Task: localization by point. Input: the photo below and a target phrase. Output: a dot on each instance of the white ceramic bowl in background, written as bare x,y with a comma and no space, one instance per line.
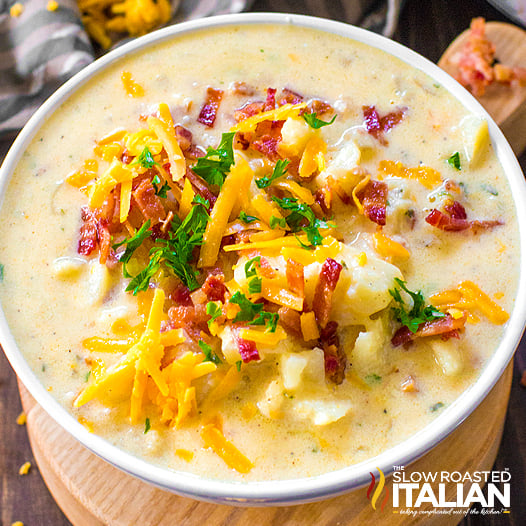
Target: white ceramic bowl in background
348,478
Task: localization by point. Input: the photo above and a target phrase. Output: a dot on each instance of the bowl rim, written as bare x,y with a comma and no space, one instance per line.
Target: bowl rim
298,490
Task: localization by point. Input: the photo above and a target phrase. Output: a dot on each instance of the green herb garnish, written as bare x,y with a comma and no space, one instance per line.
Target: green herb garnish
1,272
279,171
314,122
217,162
302,217
435,407
213,310
210,356
132,244
147,425
419,312
488,188
373,378
254,285
277,222
145,159
246,218
254,313
163,190
250,266
454,161
238,364
176,252
87,375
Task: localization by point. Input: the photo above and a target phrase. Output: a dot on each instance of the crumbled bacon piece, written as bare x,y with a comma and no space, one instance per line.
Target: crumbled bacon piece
248,110
319,107
149,202
374,201
290,321
268,137
181,296
88,232
327,281
456,219
334,355
376,125
323,197
295,277
208,113
200,187
184,137
287,96
439,326
247,349
104,236
214,287
242,88
270,103
477,226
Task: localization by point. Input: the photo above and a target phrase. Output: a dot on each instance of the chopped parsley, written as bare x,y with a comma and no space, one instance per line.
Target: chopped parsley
373,378
87,375
132,244
314,122
250,266
279,171
238,364
147,425
163,190
210,356
277,222
419,311
254,285
254,313
435,407
217,162
302,217
454,161
176,252
145,159
490,189
213,310
1,272
246,218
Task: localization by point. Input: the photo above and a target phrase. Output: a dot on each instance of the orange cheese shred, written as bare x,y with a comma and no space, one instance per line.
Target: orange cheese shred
214,439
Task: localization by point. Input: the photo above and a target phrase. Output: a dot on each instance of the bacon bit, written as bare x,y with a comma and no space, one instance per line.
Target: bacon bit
267,138
149,202
373,198
288,96
290,320
409,385
248,110
184,137
242,88
208,113
377,126
335,357
440,326
327,281
319,107
247,349
181,316
475,62
181,296
214,287
88,240
104,236
323,197
270,103
455,219
295,277
200,187
265,269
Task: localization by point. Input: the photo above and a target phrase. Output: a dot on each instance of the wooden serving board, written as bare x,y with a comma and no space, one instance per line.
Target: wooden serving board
506,104
93,493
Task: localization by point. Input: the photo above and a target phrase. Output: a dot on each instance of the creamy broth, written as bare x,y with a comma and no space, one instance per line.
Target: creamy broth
54,298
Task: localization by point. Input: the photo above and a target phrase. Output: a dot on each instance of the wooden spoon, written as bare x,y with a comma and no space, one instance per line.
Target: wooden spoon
506,104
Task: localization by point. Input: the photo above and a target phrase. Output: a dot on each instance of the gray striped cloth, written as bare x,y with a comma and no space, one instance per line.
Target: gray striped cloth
41,49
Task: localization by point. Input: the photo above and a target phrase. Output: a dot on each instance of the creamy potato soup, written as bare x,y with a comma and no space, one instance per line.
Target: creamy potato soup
258,252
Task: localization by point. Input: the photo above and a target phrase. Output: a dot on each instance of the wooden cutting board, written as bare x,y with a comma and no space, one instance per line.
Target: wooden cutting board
93,493
506,104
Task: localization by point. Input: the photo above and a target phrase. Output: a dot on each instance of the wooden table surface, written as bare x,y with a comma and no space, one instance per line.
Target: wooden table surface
427,26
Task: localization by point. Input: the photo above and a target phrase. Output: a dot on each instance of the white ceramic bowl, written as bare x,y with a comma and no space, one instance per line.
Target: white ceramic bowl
348,478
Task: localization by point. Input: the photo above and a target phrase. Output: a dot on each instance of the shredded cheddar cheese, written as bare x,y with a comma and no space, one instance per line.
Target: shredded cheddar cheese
21,419
16,10
214,439
429,177
24,468
279,114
